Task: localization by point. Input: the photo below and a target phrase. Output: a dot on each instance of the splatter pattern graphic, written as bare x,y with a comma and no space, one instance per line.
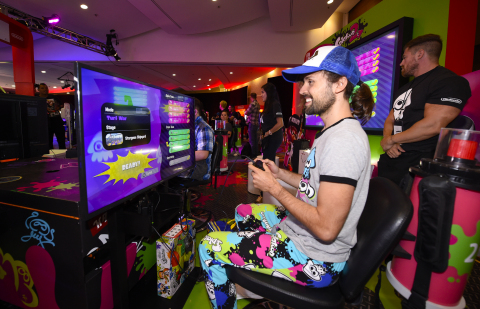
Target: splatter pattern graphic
260,247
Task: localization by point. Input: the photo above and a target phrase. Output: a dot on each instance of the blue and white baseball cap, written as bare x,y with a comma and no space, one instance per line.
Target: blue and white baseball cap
335,59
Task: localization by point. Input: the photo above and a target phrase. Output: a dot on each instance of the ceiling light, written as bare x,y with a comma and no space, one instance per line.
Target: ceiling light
13,86
199,79
174,74
194,86
54,86
84,6
329,1
44,71
208,85
68,92
210,80
231,72
62,81
209,89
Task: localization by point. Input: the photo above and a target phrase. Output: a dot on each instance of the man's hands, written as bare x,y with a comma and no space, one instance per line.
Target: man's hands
266,180
392,149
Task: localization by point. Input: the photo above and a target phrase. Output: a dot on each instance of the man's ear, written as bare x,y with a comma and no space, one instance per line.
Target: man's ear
340,85
419,54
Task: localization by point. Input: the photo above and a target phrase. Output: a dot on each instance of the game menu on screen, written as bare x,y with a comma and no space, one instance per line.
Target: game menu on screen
134,136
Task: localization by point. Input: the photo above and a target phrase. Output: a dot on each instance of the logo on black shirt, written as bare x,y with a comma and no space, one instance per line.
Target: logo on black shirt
453,100
401,103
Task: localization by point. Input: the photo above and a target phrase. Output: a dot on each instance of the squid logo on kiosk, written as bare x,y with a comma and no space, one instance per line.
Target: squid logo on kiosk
39,230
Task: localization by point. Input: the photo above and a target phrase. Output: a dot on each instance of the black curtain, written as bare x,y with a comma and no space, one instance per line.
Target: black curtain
285,93
211,101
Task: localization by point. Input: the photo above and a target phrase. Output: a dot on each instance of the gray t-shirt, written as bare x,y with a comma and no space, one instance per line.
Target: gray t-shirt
340,154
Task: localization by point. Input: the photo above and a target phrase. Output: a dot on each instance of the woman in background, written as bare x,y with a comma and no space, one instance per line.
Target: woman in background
271,121
272,124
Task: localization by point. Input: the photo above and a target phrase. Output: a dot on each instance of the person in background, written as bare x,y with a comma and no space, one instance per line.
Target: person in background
55,121
294,131
223,106
228,128
272,122
433,99
253,112
204,139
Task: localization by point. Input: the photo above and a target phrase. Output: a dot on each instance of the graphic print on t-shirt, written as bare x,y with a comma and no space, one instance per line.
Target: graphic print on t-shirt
305,189
402,101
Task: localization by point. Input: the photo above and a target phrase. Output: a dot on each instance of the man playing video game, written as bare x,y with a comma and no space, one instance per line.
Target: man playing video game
310,242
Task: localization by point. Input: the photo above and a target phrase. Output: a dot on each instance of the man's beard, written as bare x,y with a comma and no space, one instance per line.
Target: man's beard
321,105
410,71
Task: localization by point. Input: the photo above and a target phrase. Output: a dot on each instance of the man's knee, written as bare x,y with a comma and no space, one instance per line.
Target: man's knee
213,242
243,210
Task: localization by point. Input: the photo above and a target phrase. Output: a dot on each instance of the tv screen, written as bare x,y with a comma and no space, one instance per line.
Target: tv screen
133,135
378,57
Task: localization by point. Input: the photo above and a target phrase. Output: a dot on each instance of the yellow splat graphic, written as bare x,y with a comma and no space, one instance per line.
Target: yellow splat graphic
127,167
63,187
21,276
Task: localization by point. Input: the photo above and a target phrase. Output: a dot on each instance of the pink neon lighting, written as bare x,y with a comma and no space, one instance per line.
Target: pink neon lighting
54,21
370,53
369,71
368,59
368,65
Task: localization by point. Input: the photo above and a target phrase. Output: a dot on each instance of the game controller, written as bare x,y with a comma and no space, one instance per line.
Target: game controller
259,164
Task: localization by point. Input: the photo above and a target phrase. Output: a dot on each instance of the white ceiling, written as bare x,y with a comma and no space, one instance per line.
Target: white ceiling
131,18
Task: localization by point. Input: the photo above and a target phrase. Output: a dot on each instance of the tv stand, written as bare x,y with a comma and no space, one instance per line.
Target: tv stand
124,221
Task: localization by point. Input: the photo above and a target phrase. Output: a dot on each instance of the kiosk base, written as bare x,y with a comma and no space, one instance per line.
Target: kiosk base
406,292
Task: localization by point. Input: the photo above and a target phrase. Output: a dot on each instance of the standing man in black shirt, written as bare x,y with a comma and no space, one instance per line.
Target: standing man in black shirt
433,99
55,121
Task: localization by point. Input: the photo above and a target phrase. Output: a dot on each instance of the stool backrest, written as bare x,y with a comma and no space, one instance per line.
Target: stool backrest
384,220
462,122
216,156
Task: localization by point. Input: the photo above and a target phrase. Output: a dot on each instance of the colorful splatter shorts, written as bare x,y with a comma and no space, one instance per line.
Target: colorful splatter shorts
258,247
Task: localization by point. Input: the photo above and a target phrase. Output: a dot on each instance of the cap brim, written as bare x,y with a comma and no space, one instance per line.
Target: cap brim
292,75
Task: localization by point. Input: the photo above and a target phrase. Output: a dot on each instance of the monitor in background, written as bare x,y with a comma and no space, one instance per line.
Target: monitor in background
132,136
378,57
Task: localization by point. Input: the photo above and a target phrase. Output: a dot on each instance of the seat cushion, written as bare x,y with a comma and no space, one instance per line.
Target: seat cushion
286,292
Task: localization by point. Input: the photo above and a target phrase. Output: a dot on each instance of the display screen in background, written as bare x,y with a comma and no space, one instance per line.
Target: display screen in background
376,61
134,136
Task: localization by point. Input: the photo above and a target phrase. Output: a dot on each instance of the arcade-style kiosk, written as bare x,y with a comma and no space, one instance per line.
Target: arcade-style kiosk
80,233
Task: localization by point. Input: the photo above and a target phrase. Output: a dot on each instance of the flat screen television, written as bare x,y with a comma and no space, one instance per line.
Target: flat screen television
378,57
131,136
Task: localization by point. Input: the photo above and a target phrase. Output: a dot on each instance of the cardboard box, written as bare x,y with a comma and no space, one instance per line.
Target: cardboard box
175,257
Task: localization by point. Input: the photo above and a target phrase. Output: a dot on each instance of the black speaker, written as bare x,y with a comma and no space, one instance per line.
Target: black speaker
23,127
299,144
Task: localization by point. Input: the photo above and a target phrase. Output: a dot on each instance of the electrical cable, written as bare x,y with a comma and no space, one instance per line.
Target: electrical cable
155,209
241,156
54,155
122,66
226,178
